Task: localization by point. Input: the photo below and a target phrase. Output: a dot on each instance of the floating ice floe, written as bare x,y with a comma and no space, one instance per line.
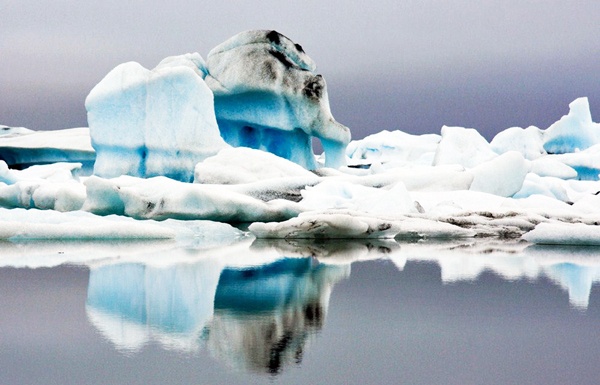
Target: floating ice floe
161,198
21,147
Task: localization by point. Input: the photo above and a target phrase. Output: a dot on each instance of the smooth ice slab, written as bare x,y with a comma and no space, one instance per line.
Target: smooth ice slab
564,234
21,147
19,225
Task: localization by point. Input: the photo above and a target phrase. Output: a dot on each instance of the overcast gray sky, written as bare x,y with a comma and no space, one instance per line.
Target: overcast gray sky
409,65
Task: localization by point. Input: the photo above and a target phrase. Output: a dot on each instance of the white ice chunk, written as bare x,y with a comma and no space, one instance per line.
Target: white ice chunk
564,234
546,206
393,146
453,202
503,175
586,162
53,186
528,141
160,198
332,194
427,178
464,146
246,165
547,186
588,204
550,166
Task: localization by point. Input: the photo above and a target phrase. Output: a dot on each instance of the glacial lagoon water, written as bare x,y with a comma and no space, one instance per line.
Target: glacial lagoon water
344,312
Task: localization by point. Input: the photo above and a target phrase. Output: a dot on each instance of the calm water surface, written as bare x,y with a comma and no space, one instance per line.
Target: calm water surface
276,312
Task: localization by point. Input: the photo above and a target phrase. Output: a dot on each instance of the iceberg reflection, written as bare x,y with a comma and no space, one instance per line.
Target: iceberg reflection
256,307
255,318
264,316
133,303
576,269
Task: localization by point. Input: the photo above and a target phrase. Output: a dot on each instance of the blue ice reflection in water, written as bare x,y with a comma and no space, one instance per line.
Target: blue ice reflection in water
299,312
259,318
254,318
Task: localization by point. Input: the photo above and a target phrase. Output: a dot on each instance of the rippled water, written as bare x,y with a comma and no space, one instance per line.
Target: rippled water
281,312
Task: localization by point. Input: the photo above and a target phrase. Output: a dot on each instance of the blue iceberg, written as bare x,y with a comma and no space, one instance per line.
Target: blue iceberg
158,122
269,97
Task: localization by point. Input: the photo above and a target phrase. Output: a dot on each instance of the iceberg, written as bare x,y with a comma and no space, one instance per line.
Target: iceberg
208,302
158,122
133,303
574,131
463,146
269,97
502,176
